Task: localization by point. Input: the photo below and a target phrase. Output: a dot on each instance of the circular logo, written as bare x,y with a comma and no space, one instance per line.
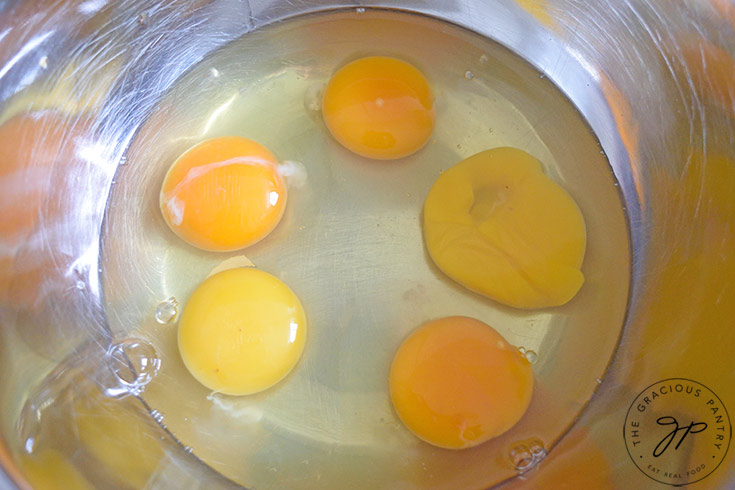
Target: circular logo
677,431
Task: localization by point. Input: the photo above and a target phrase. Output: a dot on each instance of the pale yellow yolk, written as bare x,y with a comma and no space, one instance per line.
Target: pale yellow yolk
456,383
379,107
241,331
499,226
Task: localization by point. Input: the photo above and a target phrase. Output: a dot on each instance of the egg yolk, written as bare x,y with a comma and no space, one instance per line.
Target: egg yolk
497,225
456,383
379,107
223,194
241,331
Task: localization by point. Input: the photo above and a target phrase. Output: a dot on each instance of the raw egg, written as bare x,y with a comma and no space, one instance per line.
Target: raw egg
223,194
456,383
379,107
499,226
241,331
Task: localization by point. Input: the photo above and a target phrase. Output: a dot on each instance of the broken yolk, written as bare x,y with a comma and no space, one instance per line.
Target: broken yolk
241,331
379,107
223,194
456,383
497,225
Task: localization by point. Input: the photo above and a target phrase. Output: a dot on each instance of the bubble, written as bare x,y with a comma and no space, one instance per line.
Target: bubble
469,75
157,416
134,363
143,19
527,454
123,161
538,451
542,76
521,458
530,355
43,62
166,311
360,10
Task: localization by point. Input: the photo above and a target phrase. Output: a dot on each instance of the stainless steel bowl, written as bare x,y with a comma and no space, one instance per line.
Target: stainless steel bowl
654,81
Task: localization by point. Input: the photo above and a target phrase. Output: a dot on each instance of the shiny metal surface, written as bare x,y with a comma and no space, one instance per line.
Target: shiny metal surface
656,82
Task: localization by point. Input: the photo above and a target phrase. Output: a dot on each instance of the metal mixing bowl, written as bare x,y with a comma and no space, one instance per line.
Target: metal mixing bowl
654,80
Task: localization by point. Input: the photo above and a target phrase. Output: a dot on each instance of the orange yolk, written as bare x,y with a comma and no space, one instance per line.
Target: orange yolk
223,194
379,107
456,383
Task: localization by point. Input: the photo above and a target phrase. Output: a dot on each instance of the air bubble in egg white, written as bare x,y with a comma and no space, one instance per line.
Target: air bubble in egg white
166,311
521,458
157,416
538,451
134,362
527,455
